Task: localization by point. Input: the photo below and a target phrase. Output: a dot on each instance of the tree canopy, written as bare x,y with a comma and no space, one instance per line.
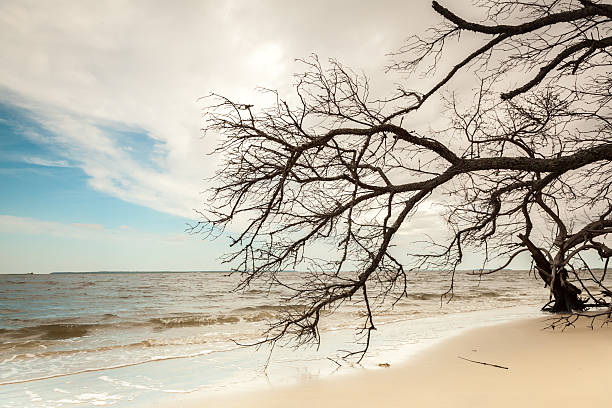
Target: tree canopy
523,163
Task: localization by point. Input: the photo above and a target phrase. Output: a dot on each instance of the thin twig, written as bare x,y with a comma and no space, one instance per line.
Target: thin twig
480,362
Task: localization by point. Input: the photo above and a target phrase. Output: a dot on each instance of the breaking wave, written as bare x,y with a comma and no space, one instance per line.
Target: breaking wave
149,343
58,331
192,321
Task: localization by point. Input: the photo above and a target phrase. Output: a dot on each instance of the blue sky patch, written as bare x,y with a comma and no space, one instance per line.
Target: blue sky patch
138,144
38,183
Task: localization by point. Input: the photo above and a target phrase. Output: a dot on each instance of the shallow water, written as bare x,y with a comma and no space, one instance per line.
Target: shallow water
118,339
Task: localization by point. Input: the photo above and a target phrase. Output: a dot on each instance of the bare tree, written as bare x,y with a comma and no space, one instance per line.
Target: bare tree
342,169
573,205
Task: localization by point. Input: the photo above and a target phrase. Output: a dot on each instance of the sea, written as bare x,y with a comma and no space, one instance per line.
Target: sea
127,339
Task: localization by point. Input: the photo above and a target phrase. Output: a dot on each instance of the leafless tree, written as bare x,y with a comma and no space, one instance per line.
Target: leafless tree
341,169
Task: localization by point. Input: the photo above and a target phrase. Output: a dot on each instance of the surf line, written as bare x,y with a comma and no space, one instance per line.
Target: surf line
93,370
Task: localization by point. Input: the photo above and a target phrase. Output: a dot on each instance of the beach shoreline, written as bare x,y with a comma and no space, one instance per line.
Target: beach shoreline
529,366
109,346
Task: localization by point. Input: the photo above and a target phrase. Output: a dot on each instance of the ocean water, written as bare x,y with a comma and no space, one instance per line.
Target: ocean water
123,339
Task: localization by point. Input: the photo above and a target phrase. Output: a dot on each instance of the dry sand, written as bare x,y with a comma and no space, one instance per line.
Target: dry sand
545,367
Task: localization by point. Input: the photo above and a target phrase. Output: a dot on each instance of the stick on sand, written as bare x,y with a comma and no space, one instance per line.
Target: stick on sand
480,362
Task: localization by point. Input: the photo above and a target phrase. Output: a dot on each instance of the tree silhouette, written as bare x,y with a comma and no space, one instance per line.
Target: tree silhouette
523,165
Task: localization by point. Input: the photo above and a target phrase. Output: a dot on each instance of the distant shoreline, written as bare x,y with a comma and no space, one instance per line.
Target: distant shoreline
125,272
206,271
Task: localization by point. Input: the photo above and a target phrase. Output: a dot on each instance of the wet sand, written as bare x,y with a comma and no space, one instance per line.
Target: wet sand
544,367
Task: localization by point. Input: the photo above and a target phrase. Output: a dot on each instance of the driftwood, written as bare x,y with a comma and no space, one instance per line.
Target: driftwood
480,362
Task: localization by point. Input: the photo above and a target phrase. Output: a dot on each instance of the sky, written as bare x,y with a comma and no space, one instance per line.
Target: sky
103,163
102,160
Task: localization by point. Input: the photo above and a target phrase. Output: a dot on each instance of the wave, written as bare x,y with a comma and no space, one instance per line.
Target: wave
192,321
58,331
246,314
487,294
270,308
474,294
7,311
424,296
32,282
85,285
267,292
69,328
149,343
97,369
49,331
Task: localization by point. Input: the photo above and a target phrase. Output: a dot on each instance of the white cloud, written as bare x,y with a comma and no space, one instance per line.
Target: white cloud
45,162
83,67
92,232
96,227
32,245
29,226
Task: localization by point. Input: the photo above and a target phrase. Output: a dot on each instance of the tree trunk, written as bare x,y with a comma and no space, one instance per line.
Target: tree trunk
566,295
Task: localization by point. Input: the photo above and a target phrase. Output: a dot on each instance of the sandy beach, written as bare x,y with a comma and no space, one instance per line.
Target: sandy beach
544,367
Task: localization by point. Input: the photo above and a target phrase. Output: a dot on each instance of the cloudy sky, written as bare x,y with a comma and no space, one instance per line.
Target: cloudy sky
102,161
